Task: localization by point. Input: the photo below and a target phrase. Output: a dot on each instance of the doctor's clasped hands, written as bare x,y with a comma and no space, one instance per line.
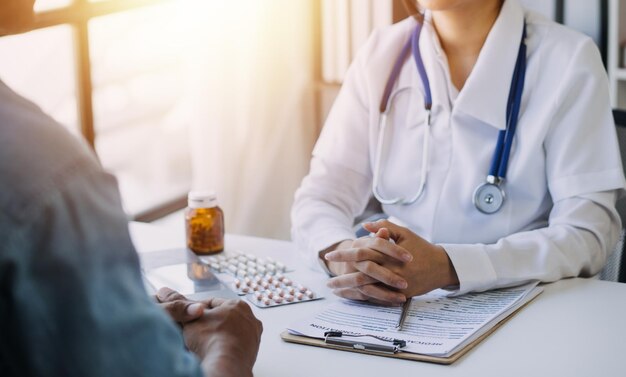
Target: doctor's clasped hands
390,267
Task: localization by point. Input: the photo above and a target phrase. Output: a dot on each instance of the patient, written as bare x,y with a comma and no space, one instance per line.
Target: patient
72,301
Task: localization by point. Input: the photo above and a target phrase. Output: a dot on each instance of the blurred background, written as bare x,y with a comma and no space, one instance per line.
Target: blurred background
228,95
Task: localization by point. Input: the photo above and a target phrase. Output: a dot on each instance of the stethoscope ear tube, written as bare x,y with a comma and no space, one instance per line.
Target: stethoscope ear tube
411,45
382,146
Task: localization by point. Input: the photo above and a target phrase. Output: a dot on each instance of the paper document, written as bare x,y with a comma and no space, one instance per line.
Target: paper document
436,324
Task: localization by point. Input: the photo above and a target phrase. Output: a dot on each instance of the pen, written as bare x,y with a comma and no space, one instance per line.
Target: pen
405,310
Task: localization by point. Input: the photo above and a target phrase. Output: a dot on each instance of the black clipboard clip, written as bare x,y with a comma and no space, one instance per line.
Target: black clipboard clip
335,338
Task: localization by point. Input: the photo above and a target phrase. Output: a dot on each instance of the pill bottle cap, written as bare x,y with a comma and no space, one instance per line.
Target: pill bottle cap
202,199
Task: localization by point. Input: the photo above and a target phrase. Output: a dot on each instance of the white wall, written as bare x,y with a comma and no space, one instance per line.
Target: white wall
582,15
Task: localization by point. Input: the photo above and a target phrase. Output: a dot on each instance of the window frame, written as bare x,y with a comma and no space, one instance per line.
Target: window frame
77,14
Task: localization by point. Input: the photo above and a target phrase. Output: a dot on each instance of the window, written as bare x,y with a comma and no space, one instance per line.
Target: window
111,71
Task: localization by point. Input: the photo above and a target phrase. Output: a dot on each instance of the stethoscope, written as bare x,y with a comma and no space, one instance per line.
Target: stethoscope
488,196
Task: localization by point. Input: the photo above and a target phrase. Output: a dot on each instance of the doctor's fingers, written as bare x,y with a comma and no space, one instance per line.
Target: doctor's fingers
378,292
368,272
396,232
355,294
362,248
351,280
382,274
355,255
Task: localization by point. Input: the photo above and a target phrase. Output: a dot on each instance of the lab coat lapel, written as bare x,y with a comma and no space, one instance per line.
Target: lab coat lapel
486,90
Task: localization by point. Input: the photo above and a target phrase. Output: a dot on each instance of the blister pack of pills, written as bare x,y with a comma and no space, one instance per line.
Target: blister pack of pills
261,280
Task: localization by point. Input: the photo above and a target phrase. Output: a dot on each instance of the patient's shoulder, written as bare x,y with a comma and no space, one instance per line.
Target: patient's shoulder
35,151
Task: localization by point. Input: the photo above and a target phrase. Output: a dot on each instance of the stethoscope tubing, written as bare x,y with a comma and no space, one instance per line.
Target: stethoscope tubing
500,161
499,164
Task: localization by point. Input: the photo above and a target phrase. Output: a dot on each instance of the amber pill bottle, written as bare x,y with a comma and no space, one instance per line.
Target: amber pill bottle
204,222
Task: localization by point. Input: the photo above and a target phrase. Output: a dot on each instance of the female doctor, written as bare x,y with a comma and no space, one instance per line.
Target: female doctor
485,131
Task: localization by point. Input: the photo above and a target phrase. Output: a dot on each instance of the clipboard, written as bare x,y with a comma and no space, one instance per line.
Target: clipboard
447,360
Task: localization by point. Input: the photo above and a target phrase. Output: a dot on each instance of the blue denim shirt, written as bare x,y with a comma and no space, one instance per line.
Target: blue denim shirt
72,302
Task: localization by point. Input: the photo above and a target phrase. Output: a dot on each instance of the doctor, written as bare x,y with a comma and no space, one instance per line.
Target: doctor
485,130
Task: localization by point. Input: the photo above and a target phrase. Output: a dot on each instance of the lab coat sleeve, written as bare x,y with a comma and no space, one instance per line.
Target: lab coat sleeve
585,178
337,187
327,202
581,234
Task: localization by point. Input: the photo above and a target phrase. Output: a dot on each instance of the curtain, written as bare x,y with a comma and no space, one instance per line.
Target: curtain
253,122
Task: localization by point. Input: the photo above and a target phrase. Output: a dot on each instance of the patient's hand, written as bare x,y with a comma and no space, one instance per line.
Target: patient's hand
226,334
180,308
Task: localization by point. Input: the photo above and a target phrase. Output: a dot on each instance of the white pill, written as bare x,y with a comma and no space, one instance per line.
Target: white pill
251,270
300,296
276,283
309,294
265,284
280,266
258,279
245,289
302,288
251,263
242,258
241,273
270,294
251,256
289,298
267,301
280,292
237,283
216,267
291,290
241,266
232,269
258,296
278,299
261,269
287,282
280,277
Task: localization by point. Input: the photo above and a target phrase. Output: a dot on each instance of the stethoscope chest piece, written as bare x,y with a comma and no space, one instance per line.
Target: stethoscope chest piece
489,197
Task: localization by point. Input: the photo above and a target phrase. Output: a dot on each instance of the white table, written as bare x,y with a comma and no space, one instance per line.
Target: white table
577,327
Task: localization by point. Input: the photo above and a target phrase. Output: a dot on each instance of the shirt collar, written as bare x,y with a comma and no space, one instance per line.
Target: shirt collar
486,90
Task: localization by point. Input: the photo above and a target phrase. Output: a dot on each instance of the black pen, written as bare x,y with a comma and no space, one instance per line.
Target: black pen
405,310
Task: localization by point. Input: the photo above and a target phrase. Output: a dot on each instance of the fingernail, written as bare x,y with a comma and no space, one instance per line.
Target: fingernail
195,309
329,256
407,257
402,284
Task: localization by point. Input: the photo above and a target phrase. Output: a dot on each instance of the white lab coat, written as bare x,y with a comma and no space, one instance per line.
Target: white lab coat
564,172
